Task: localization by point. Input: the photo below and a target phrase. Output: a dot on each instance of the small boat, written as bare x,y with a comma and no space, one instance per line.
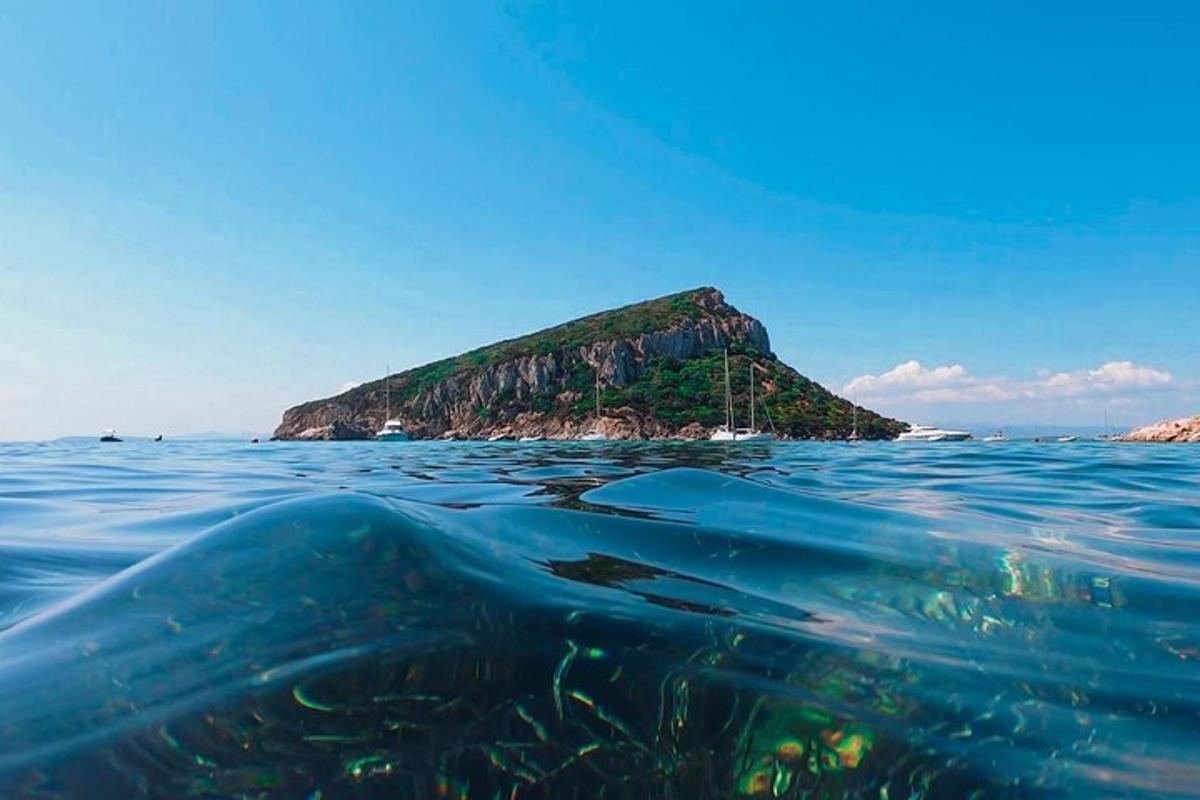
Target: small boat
158,438
393,429
527,439
254,440
998,436
853,437
929,433
1068,438
729,432
110,435
500,437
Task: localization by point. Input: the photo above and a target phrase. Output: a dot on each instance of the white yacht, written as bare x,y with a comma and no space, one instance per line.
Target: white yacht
393,429
998,436
110,435
729,432
1068,438
930,433
527,439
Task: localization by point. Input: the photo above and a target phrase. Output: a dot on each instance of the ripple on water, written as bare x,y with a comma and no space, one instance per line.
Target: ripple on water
788,620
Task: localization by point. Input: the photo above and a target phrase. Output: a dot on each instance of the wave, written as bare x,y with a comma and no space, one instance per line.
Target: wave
630,627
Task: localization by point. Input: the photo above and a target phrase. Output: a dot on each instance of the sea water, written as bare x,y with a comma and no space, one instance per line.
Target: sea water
613,620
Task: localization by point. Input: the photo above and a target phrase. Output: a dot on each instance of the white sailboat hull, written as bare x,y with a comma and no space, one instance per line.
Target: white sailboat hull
740,435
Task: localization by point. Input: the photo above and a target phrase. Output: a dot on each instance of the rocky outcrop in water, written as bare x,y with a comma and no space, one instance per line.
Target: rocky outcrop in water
1185,429
657,361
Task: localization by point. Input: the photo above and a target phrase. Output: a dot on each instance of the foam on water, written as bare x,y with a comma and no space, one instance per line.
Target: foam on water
550,620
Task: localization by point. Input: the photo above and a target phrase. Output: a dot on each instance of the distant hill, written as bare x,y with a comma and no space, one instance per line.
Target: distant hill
661,371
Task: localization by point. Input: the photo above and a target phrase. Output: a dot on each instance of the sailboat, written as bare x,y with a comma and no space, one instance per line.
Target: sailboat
393,429
595,434
729,433
854,437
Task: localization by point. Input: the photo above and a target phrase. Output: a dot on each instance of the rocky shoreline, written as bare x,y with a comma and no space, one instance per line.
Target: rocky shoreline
622,424
1184,429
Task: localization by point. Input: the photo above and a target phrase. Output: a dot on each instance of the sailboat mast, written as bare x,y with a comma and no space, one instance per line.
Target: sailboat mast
387,393
752,396
597,393
728,395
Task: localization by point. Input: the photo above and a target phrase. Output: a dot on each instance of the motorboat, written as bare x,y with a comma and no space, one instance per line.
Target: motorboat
110,435
393,429
500,437
1068,439
998,436
931,433
729,432
527,439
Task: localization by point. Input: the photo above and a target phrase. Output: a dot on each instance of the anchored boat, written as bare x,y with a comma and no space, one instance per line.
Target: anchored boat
728,432
393,429
931,433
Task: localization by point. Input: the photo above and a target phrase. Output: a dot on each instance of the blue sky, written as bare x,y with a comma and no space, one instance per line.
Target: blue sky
212,211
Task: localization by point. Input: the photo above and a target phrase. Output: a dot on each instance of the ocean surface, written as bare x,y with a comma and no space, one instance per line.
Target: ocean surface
599,620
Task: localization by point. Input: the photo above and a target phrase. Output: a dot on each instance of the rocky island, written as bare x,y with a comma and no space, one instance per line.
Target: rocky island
661,372
1186,429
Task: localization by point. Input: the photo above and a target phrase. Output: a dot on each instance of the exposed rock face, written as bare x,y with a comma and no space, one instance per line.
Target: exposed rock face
1186,429
536,385
334,430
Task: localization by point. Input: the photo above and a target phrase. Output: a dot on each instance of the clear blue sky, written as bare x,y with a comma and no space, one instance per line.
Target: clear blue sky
211,211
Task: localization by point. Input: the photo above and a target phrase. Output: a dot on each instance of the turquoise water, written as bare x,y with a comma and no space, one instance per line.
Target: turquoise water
599,620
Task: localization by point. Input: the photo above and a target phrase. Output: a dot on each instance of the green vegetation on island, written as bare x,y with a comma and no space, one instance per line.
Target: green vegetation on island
661,368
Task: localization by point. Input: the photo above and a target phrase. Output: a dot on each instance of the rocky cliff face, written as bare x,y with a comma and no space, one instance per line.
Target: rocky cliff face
541,385
1186,429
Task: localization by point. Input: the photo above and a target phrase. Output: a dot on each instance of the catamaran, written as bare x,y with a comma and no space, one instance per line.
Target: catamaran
729,433
393,429
595,434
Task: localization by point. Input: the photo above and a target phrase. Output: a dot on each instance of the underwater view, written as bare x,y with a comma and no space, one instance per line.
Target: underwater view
599,620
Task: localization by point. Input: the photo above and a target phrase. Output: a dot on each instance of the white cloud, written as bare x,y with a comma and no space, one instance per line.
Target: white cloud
1112,376
953,383
905,375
